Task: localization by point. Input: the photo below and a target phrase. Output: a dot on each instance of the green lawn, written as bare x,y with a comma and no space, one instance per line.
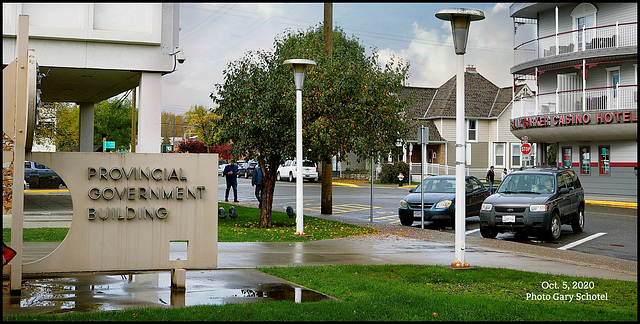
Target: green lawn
403,293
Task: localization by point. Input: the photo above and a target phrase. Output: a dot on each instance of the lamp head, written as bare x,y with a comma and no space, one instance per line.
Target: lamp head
299,66
460,20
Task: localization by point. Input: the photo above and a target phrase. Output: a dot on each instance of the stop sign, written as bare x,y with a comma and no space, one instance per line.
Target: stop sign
525,148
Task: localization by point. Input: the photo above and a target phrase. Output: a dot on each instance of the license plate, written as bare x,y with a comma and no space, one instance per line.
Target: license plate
509,218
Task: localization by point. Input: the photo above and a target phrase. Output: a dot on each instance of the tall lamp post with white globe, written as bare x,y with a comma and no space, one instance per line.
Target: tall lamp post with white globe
460,21
299,67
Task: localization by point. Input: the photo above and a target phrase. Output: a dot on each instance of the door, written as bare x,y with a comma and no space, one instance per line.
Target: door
568,98
564,199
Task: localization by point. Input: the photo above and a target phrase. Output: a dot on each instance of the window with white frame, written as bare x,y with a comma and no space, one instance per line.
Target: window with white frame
584,17
472,130
498,154
515,155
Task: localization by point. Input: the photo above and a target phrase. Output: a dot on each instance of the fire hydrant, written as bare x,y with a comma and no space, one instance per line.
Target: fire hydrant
400,178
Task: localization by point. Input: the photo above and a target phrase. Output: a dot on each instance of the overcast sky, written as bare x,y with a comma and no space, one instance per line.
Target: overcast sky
215,34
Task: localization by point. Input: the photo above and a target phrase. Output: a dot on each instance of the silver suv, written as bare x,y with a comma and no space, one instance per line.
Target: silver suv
535,201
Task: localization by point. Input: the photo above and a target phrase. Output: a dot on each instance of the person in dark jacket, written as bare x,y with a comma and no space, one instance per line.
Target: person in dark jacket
490,178
256,180
231,174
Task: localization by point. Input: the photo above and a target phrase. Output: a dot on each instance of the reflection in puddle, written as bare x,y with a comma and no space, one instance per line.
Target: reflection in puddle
117,292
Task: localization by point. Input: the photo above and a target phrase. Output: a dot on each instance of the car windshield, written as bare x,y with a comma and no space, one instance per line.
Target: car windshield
438,185
528,183
308,164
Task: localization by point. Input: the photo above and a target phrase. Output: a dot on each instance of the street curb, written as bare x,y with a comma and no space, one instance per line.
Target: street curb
612,204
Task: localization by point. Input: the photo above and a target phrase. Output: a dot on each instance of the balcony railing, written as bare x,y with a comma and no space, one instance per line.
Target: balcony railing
586,39
561,102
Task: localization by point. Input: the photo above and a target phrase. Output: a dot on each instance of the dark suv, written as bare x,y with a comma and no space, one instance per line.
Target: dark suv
535,201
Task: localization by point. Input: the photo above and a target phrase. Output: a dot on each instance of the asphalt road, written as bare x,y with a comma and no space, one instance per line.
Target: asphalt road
609,231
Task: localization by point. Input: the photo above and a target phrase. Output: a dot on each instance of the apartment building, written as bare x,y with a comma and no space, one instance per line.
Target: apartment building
582,57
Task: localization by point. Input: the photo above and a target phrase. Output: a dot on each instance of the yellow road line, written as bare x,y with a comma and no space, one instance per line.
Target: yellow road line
612,203
346,184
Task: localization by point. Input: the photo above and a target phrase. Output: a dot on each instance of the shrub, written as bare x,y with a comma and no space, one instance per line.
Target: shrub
390,172
192,146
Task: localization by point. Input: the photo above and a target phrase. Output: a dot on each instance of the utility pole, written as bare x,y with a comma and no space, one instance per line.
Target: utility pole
326,205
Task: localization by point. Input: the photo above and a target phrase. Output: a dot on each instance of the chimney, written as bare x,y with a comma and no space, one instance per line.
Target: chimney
471,69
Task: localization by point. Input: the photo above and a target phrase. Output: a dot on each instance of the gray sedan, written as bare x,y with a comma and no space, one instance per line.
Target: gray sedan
439,200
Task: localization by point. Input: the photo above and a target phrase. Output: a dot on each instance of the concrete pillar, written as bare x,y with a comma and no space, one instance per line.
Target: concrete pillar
86,126
149,113
178,279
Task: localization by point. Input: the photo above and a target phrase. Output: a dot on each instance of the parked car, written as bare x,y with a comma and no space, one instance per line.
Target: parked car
288,171
535,201
246,170
439,200
37,169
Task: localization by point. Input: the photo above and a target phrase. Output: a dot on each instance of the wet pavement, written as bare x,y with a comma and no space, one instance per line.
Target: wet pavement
90,292
237,281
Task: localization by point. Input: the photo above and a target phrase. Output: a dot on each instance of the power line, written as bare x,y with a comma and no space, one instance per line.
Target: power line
357,32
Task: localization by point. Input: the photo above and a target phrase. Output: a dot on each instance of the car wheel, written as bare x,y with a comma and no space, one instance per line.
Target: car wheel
290,177
555,227
578,224
487,232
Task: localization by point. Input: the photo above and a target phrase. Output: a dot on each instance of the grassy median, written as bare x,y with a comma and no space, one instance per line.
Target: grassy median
390,292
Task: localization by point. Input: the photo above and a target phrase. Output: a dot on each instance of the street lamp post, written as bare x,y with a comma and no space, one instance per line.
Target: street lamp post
460,21
299,66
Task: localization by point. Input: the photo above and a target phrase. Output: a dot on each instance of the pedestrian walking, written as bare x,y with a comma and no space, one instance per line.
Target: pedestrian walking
490,178
256,180
231,175
504,174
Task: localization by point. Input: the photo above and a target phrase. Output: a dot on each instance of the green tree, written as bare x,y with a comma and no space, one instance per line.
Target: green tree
257,106
67,126
349,104
172,125
112,120
205,122
57,124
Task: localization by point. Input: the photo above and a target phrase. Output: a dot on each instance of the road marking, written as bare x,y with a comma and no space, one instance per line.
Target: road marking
45,190
339,209
391,217
617,215
578,242
346,184
471,231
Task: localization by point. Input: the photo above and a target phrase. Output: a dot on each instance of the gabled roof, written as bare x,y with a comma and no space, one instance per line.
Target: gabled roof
483,99
434,135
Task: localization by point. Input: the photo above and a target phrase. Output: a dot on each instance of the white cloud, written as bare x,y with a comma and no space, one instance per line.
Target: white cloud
433,60
212,35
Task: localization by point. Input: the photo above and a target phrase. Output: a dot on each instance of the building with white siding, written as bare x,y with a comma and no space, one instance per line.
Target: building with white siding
91,52
583,59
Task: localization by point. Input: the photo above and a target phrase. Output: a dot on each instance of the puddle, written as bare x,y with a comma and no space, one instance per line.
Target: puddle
86,293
